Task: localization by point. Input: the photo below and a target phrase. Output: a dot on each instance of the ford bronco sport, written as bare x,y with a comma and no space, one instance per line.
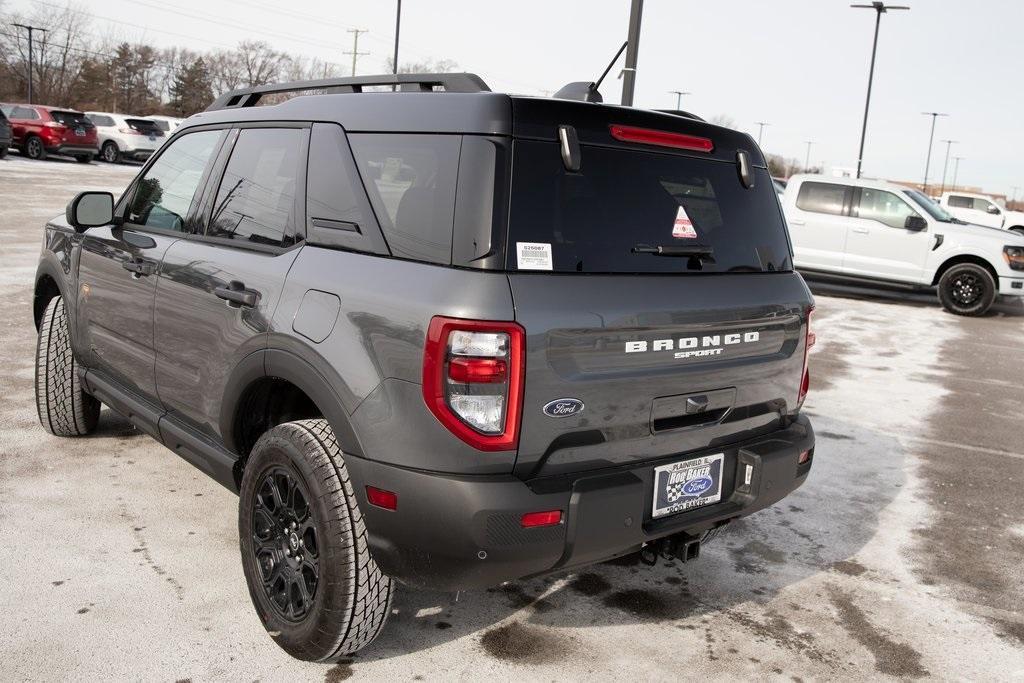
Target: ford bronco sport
440,336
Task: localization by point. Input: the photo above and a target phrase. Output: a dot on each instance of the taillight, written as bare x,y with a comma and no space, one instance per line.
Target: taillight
805,376
54,124
129,131
662,138
473,379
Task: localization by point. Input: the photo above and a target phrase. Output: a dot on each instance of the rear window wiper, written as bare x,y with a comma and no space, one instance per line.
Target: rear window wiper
701,251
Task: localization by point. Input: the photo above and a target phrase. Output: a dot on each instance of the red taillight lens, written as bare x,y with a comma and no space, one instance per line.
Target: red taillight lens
804,457
473,378
381,498
662,138
548,518
805,376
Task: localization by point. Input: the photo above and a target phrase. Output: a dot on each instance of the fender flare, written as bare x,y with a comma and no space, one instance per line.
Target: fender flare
288,366
48,268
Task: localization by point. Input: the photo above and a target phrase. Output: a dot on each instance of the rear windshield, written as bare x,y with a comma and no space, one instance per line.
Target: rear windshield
144,126
71,119
622,200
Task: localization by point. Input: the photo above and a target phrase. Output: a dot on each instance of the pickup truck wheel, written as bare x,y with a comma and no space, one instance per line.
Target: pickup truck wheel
63,406
34,148
967,289
304,552
111,154
1017,228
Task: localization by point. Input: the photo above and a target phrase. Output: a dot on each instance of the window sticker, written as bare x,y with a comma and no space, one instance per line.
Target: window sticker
533,255
683,227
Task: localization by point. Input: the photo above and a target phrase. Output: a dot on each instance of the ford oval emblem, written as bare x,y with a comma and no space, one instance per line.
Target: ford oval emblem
563,407
697,485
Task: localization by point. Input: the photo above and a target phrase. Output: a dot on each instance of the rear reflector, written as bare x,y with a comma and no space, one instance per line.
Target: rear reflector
661,138
804,457
533,519
805,375
381,498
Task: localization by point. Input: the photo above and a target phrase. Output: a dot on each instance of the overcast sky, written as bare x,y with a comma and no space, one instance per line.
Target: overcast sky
800,65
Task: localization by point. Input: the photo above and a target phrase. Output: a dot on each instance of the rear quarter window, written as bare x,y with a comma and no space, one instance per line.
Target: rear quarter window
592,220
411,182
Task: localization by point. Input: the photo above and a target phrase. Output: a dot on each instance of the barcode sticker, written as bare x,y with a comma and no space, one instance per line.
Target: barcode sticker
533,256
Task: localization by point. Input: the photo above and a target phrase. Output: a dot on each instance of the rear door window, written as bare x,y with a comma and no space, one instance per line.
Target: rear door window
411,183
256,199
823,198
958,202
592,221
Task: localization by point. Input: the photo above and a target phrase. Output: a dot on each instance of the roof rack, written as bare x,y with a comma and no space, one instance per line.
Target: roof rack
452,82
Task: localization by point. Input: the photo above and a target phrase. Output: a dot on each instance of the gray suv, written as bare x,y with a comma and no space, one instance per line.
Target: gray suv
440,336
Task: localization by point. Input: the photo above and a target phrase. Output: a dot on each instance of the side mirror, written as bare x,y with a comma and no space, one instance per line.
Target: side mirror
993,209
90,210
915,223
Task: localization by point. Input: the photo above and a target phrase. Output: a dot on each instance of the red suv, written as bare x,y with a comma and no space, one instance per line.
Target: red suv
39,130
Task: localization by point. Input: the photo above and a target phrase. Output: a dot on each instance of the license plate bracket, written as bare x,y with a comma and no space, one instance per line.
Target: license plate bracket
687,484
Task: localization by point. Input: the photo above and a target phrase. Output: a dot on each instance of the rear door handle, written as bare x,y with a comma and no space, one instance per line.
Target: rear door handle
139,267
792,222
236,294
862,231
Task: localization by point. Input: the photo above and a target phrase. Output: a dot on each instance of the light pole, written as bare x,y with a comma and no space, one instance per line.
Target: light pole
1014,197
679,97
945,165
636,10
398,26
956,169
807,161
931,138
880,9
760,130
30,30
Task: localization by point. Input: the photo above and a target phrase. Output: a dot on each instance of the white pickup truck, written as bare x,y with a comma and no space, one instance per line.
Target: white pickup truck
982,210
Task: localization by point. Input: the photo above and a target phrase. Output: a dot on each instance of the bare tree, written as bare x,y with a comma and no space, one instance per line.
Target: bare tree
226,71
723,120
427,66
261,64
57,56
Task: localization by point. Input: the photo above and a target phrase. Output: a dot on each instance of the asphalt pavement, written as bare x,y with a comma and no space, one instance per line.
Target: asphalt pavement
902,557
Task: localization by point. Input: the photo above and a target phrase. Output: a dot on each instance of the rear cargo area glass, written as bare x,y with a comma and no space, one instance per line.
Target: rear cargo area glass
623,198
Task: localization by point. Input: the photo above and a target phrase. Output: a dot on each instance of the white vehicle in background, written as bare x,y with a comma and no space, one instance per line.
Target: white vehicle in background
981,209
125,137
166,123
876,232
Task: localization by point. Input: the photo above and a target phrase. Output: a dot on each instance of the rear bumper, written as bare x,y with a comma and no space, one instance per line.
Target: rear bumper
462,532
1011,286
72,150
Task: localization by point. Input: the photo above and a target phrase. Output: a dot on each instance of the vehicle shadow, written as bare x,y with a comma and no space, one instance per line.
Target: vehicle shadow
1003,306
819,528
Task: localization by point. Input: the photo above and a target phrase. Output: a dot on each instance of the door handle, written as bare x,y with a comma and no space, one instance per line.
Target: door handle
139,267
862,231
237,295
792,222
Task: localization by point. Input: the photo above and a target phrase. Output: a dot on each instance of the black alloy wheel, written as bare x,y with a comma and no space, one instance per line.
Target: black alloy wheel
966,288
285,544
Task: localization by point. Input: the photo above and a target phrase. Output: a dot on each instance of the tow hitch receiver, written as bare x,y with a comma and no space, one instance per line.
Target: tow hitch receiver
682,547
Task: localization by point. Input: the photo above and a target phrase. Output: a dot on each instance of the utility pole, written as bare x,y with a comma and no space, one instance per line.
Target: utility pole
931,139
355,47
633,46
679,97
807,161
956,169
30,29
880,9
1014,197
945,165
760,131
398,27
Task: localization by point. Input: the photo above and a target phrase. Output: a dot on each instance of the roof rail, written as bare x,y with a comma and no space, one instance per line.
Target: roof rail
451,82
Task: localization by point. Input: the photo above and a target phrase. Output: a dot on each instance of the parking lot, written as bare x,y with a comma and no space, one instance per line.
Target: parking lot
901,557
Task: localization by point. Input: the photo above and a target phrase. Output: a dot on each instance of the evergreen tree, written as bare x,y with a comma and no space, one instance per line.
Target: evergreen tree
192,90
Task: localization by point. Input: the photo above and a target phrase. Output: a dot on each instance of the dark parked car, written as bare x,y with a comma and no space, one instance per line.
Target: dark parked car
40,130
443,336
5,134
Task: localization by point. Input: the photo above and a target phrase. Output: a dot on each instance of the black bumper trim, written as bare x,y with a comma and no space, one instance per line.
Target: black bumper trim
454,532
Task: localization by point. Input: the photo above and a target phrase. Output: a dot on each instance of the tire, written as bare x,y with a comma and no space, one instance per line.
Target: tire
967,289
1017,228
110,153
317,605
63,406
83,158
3,151
34,148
